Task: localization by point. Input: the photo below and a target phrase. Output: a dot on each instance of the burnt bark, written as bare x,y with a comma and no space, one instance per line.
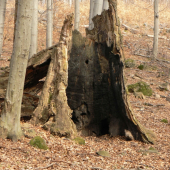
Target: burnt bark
96,90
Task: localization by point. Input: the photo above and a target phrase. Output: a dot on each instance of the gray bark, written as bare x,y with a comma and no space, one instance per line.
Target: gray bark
105,4
2,18
70,2
77,14
91,25
15,17
34,30
156,29
97,10
49,31
10,118
43,2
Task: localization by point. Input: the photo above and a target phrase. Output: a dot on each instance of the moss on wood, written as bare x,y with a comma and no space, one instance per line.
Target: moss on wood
103,153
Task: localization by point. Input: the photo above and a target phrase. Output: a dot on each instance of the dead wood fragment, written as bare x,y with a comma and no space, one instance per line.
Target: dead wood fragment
48,166
55,163
53,99
132,30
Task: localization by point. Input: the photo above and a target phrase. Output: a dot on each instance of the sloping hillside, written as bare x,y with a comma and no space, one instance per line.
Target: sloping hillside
151,111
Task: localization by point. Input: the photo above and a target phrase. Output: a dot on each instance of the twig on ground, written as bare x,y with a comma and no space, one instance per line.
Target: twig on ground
147,165
160,37
150,57
96,168
47,166
132,30
142,55
55,163
163,61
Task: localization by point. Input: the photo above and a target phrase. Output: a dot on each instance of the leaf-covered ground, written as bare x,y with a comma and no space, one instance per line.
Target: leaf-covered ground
64,153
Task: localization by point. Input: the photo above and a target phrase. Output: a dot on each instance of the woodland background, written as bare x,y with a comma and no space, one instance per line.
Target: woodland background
137,29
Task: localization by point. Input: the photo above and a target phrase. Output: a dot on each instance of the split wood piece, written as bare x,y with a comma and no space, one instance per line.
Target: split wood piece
53,99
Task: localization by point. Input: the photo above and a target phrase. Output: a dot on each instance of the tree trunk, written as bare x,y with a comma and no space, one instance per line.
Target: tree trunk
15,18
156,29
91,25
77,15
97,10
49,31
43,2
96,92
10,118
2,18
70,2
34,30
105,4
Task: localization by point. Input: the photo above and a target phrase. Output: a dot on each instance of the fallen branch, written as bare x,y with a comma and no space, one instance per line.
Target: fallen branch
55,163
132,30
146,165
47,166
96,168
160,37
142,55
150,57
163,61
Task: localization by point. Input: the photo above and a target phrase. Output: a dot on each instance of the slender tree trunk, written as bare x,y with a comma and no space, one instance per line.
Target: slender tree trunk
2,18
34,30
156,29
49,31
70,2
15,17
91,25
97,10
10,118
105,4
77,14
43,2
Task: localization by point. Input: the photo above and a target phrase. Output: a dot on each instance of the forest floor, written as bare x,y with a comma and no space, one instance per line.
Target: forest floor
64,153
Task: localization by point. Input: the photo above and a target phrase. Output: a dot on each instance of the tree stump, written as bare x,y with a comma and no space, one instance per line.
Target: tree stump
89,90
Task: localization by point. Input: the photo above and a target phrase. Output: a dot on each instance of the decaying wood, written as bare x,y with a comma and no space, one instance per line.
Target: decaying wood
53,99
30,98
132,30
101,66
